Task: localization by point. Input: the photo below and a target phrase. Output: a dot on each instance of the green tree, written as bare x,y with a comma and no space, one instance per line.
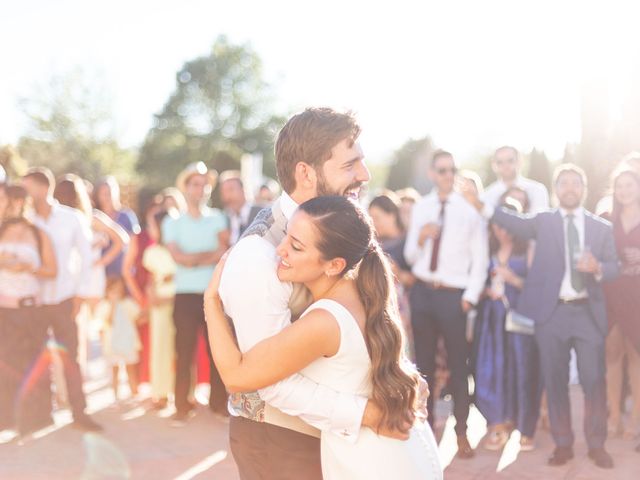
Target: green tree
221,103
408,165
70,127
539,167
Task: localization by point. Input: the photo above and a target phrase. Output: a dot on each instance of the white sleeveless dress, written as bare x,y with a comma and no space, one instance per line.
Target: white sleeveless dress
371,456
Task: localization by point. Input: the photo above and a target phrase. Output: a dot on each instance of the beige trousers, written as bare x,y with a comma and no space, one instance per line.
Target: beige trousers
162,365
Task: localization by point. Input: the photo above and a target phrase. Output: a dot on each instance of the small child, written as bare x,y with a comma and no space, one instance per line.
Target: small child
121,343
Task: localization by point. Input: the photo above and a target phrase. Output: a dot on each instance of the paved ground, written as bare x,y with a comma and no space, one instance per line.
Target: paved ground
140,444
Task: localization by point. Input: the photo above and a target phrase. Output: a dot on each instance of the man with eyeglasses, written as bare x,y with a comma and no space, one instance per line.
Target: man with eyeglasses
447,248
506,165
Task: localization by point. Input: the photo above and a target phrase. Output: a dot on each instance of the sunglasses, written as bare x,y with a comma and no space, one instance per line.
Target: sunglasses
503,162
445,170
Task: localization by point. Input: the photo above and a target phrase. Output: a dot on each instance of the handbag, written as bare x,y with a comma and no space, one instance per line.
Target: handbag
515,322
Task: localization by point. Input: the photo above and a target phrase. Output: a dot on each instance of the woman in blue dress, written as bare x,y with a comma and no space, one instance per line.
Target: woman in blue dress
508,383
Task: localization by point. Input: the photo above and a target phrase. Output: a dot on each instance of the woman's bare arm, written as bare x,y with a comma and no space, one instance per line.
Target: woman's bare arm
118,236
315,335
48,265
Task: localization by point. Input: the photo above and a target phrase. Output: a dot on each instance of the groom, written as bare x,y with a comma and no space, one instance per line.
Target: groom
274,433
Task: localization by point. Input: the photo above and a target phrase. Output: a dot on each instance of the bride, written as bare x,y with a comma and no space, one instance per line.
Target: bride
349,339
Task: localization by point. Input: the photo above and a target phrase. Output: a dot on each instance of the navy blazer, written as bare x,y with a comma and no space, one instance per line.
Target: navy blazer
541,289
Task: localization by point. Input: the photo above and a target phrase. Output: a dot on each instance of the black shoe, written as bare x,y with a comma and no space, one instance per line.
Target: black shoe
601,458
560,456
464,449
86,423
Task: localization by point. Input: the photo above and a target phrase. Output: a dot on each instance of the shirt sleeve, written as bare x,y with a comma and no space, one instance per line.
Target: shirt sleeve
411,248
169,232
479,261
82,242
251,269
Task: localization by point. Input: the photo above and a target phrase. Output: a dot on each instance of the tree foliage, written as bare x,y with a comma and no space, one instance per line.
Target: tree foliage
221,108
70,128
409,165
539,167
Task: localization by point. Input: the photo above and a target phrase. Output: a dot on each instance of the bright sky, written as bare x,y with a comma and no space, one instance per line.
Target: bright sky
471,74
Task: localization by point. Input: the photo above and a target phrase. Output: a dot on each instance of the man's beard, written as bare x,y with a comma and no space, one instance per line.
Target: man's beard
324,189
570,203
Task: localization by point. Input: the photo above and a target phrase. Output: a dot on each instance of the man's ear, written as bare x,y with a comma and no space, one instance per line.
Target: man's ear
306,176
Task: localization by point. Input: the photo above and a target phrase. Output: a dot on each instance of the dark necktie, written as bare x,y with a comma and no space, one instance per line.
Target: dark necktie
573,241
435,251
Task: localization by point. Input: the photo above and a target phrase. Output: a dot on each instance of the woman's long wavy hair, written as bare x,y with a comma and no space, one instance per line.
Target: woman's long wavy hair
346,231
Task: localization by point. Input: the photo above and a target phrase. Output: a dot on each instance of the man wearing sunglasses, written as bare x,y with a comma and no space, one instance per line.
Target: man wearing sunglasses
506,165
447,248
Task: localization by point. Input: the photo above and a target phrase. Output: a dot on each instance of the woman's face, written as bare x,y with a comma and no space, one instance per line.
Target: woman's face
300,260
15,208
105,199
383,222
4,202
626,190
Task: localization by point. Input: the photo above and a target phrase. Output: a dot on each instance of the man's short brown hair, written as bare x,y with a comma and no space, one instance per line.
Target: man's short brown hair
440,153
569,168
309,137
41,175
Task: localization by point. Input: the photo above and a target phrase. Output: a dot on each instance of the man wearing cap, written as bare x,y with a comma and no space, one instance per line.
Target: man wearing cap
196,239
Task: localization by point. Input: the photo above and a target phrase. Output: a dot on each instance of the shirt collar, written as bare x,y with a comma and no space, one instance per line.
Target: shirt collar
243,214
451,198
519,182
288,205
578,213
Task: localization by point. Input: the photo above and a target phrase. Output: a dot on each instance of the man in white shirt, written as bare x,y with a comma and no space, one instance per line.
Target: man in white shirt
506,165
70,235
316,154
447,248
234,199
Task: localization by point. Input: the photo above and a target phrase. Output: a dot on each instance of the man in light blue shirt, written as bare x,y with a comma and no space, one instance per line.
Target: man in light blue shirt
196,239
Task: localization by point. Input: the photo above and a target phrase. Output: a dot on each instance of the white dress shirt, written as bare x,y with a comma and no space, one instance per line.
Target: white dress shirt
567,292
464,248
536,192
258,303
70,234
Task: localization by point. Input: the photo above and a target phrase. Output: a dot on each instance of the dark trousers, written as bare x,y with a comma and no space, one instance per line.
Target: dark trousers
434,313
572,326
25,387
188,317
65,332
267,452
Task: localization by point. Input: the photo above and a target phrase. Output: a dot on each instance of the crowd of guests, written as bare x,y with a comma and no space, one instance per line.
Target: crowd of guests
475,269
71,254
478,268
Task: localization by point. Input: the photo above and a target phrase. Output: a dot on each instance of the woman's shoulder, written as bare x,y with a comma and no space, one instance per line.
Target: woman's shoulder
332,311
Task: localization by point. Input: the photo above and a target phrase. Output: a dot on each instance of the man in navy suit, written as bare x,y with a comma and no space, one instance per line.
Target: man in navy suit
562,294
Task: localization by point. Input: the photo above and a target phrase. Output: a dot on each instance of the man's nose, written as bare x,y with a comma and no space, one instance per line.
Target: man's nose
363,174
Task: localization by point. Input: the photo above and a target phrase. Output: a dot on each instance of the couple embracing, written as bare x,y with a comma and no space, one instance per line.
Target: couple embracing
311,298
